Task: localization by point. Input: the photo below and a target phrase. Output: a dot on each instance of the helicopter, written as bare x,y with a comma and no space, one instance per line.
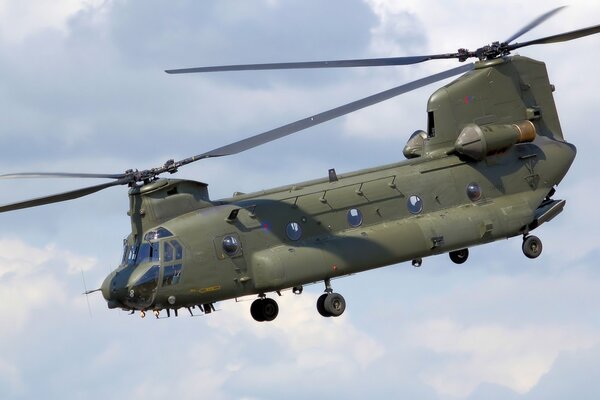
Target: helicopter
486,168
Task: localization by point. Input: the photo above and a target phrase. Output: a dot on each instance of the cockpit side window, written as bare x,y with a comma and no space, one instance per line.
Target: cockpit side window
178,249
125,253
172,253
172,274
148,252
168,252
132,254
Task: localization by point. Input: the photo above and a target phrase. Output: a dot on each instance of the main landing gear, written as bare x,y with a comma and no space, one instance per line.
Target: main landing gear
532,246
330,304
264,309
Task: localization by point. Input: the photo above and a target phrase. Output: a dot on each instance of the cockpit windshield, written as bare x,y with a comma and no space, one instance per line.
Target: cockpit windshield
148,250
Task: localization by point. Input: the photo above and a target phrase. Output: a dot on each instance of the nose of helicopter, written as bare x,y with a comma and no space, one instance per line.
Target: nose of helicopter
105,288
109,291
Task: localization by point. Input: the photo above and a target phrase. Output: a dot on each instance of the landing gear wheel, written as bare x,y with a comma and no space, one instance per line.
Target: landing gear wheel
270,309
334,304
331,304
459,256
532,246
417,262
256,310
264,310
321,305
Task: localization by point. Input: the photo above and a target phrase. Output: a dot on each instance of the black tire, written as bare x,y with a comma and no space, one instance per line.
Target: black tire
256,310
334,304
532,246
321,306
459,256
270,309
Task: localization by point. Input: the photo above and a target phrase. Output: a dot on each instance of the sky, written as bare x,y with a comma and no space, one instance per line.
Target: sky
82,89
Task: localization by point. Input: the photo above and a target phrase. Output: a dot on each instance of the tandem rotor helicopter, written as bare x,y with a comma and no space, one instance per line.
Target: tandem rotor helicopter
485,169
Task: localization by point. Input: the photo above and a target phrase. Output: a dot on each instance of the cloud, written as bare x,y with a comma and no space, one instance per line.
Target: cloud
18,20
512,357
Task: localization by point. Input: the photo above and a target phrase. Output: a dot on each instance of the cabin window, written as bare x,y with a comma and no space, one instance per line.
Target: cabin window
231,245
293,231
473,191
355,218
414,204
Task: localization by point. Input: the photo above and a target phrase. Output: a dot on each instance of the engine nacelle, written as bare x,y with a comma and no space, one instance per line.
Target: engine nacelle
477,142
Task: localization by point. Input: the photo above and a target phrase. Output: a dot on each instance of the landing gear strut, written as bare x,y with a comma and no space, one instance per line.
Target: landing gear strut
459,256
264,309
330,304
532,246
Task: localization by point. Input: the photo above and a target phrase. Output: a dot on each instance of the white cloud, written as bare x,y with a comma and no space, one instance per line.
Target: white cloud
515,357
32,280
20,19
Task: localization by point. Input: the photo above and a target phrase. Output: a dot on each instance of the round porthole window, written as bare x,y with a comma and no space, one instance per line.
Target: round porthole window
355,218
473,191
293,231
414,204
231,245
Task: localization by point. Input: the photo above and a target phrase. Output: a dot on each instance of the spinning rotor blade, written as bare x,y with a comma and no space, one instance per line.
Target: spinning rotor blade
534,23
55,198
277,133
494,50
60,175
561,37
365,62
131,176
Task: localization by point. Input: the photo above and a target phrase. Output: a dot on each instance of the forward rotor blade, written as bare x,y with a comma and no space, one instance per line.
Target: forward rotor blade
365,62
55,198
60,175
277,133
561,37
534,23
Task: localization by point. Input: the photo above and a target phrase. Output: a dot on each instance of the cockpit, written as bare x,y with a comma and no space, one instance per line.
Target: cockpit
155,261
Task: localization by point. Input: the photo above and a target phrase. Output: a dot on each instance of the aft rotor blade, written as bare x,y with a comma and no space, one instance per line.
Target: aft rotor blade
316,119
55,198
561,37
60,175
534,23
365,62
